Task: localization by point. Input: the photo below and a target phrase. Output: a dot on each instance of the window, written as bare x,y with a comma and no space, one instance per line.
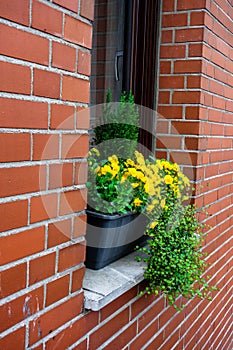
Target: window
124,54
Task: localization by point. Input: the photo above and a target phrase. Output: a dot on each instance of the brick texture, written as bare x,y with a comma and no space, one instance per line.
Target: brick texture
45,69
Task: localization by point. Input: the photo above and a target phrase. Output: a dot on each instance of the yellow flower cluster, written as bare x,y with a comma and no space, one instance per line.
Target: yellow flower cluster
150,181
112,168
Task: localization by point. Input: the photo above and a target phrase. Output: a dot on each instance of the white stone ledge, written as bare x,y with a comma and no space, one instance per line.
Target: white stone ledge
105,285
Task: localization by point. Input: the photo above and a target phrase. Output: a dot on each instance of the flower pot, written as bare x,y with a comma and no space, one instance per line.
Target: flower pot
110,237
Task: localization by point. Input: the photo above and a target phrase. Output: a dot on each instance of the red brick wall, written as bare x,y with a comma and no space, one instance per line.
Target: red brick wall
44,69
44,83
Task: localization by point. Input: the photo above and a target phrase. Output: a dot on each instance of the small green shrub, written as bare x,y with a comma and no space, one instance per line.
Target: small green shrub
119,127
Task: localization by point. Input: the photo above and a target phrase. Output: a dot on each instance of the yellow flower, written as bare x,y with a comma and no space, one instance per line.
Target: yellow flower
134,185
150,207
168,179
153,224
97,169
162,203
106,169
137,202
96,151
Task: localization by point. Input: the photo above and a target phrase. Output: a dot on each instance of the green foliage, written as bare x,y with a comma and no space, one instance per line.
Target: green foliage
175,262
119,126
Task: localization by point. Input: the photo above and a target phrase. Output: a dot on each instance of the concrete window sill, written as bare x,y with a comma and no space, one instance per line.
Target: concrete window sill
104,285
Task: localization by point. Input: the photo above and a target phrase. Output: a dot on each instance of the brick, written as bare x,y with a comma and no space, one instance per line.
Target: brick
171,82
23,114
145,336
168,142
84,62
46,83
43,207
174,51
22,45
197,18
74,332
194,82
185,128
41,268
191,34
184,158
171,112
81,346
72,201
168,6
62,117
59,232
13,214
80,223
78,32
82,118
162,126
60,175
81,170
217,88
123,338
64,57
166,36
156,343
75,89
171,342
87,9
151,314
118,303
54,318
15,78
14,147
22,244
14,340
20,308
191,66
141,304
15,11
45,146
175,20
108,329
70,5
21,180
164,97
190,4
186,97
71,256
75,146
46,18
57,289
13,279
165,67
77,279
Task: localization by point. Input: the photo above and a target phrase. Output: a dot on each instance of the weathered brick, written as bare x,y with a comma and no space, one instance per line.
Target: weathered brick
13,279
41,268
78,32
46,18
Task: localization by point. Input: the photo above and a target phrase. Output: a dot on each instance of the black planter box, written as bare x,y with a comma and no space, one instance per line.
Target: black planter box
110,237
